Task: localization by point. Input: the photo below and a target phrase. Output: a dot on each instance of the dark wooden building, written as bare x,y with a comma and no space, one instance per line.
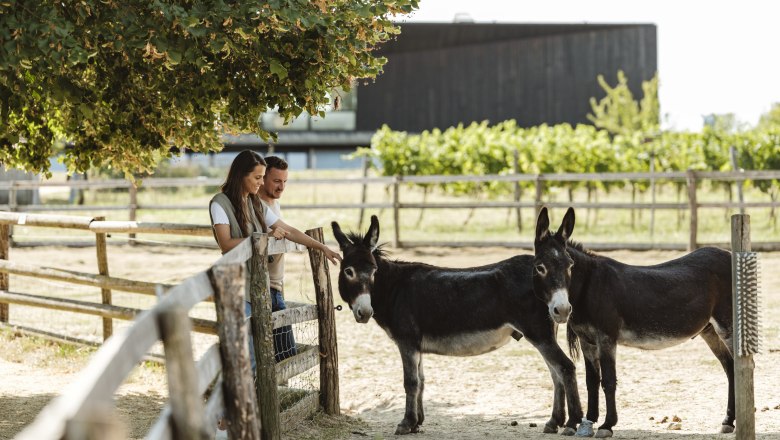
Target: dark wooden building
441,74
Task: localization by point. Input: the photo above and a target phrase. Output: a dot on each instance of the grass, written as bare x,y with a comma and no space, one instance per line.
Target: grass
42,353
326,427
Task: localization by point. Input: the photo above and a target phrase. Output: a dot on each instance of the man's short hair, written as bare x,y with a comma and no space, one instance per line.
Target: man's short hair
275,162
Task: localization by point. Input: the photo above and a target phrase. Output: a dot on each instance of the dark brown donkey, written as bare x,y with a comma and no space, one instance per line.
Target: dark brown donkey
455,312
607,303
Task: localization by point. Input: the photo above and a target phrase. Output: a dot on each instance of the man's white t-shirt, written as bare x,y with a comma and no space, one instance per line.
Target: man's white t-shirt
219,216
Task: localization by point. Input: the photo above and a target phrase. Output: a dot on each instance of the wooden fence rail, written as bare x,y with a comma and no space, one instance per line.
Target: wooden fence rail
86,404
689,179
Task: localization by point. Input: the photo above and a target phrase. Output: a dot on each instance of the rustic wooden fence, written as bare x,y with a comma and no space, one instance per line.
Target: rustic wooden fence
396,185
85,409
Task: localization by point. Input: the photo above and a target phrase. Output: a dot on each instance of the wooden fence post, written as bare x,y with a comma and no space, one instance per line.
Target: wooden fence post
363,194
518,191
744,399
396,214
692,207
262,337
539,183
186,403
133,192
329,353
652,195
102,261
5,239
740,183
241,412
12,197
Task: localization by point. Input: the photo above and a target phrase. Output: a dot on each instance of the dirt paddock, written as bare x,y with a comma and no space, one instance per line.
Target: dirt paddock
500,395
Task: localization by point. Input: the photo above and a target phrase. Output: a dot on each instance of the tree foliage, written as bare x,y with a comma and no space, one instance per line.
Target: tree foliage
771,118
125,80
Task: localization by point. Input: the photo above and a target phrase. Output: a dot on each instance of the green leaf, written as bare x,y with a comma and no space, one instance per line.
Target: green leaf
278,70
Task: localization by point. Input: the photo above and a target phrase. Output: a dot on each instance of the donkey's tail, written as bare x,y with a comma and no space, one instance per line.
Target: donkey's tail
574,343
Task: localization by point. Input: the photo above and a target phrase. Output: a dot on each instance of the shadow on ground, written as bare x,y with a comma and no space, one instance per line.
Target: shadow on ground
137,411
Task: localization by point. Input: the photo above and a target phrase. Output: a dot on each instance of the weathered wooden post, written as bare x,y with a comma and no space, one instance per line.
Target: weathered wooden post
186,403
102,261
396,213
5,239
329,353
693,208
744,303
740,183
229,283
259,293
518,191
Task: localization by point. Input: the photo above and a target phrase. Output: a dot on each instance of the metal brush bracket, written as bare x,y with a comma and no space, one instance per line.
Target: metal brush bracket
748,304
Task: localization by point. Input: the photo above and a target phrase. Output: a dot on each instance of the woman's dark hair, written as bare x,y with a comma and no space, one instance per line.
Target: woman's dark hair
242,165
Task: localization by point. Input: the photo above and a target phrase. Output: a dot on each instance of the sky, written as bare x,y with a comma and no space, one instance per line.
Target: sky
713,56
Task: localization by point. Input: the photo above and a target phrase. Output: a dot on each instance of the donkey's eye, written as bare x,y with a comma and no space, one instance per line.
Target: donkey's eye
349,272
540,269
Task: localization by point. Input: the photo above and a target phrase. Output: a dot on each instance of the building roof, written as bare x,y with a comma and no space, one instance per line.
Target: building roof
429,36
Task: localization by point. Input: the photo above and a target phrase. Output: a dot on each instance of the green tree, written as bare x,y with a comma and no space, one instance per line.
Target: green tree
619,113
126,80
770,118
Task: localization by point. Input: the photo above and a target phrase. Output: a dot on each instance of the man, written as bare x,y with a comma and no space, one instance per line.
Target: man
274,182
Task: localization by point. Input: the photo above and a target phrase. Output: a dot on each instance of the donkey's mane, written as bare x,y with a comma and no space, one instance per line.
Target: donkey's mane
357,239
580,247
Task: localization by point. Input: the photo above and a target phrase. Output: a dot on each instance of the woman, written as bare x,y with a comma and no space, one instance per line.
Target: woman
236,213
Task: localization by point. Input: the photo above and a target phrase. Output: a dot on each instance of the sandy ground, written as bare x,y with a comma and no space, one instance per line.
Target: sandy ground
506,394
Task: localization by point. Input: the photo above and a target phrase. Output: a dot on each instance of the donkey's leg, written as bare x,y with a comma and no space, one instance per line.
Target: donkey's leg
559,398
420,412
607,354
724,355
562,371
592,380
410,358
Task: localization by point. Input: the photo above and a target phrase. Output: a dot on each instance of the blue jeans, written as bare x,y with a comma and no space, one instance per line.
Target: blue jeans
284,340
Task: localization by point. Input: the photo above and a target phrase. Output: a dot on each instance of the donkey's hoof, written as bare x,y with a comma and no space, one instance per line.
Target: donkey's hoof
603,433
550,428
568,431
402,429
585,429
726,429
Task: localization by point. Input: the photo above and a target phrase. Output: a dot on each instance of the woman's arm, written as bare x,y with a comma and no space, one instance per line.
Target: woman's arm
224,241
297,236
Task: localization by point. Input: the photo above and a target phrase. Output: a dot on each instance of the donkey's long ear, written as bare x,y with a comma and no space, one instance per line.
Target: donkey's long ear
340,237
372,236
567,225
542,225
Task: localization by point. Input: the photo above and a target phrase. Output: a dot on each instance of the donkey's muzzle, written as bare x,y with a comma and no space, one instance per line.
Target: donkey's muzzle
559,306
361,308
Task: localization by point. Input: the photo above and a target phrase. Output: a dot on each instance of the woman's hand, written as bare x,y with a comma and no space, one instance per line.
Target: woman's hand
278,232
